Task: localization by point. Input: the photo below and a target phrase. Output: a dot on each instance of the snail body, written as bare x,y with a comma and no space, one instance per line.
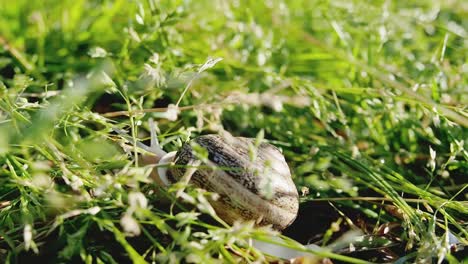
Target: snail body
258,188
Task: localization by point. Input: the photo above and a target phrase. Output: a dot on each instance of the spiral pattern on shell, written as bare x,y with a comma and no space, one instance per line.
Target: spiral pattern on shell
259,189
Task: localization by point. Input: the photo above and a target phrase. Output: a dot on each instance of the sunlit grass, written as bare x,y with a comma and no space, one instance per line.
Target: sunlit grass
366,99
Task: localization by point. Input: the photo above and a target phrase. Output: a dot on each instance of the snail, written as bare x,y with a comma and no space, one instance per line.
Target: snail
256,189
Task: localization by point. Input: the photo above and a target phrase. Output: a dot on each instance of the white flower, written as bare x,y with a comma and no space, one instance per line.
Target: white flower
171,113
97,52
156,74
76,182
130,225
155,58
93,210
27,235
210,63
432,161
137,200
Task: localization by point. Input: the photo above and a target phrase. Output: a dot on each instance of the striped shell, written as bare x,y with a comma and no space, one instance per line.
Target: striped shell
261,190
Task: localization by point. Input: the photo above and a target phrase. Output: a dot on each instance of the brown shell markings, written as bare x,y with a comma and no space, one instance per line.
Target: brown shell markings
260,190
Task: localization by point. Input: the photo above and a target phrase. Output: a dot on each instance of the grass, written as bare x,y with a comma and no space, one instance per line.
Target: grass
366,99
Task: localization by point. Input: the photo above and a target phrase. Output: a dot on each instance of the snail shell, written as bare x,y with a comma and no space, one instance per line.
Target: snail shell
260,190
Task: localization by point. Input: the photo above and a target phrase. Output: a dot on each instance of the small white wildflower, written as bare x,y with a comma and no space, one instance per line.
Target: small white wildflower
155,75
436,120
432,162
204,206
411,238
432,153
141,14
77,212
186,217
97,52
193,258
76,182
151,71
99,191
187,198
274,102
436,117
27,236
210,63
137,200
355,152
139,19
214,196
171,113
195,245
130,225
93,210
96,116
42,181
261,59
177,52
444,174
154,58
383,33
133,34
41,165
